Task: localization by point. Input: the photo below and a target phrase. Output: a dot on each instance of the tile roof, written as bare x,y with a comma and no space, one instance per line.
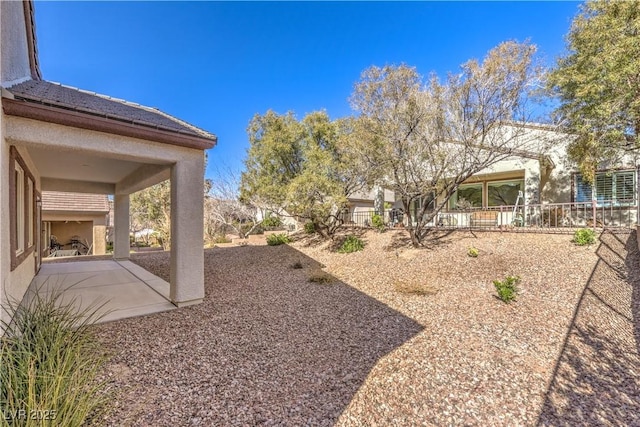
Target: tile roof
74,202
70,98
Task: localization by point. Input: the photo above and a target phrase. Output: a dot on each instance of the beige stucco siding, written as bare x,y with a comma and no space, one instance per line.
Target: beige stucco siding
14,283
14,47
60,139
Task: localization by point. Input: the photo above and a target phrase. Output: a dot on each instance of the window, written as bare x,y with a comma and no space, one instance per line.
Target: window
610,188
22,193
468,195
19,204
428,201
503,193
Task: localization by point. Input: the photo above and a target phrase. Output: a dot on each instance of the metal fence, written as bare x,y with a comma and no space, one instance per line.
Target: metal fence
549,216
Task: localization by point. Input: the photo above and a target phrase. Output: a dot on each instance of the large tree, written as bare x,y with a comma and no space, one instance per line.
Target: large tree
598,82
426,139
306,167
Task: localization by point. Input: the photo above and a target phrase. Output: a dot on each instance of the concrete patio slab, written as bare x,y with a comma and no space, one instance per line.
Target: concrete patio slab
118,289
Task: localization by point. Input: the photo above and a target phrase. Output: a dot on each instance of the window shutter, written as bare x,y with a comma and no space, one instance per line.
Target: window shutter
604,188
625,186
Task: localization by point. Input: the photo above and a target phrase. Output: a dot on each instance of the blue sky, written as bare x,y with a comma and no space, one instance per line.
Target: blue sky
216,64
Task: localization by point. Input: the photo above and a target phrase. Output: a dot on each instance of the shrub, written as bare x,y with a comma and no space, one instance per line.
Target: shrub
413,288
272,221
221,239
351,244
584,236
320,277
377,222
507,289
277,239
50,362
473,252
309,227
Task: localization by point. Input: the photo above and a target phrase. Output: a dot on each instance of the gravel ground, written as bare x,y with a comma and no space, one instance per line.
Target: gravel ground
268,347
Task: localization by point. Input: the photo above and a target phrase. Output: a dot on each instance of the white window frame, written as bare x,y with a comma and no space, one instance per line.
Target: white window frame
30,212
20,217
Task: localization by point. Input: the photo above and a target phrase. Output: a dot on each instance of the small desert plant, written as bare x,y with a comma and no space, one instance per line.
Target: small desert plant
277,239
473,252
413,288
377,222
221,238
351,244
309,227
50,363
584,236
320,277
507,289
297,265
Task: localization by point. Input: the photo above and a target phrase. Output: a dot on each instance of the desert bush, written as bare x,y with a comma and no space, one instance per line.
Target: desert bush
272,221
414,288
507,289
378,222
584,236
320,277
309,227
351,244
50,362
277,239
473,252
221,239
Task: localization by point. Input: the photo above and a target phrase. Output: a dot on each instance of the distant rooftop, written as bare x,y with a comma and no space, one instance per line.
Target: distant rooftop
70,98
74,202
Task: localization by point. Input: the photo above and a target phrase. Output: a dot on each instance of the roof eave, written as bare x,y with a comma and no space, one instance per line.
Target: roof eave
76,119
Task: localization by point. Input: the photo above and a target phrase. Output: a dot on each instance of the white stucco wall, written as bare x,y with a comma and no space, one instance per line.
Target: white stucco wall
14,48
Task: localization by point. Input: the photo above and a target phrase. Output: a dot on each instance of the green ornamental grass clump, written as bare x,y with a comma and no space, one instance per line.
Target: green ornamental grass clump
584,236
351,244
507,289
473,252
49,364
277,239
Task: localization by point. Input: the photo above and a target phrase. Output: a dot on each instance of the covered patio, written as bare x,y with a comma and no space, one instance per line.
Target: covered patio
81,142
115,289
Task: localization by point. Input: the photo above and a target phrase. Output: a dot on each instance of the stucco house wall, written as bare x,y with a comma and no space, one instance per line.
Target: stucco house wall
77,141
14,66
15,46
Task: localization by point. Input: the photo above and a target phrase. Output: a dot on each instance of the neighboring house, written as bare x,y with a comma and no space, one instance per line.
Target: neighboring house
543,174
71,216
59,138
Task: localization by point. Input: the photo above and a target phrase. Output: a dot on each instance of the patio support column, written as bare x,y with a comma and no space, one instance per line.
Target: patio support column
121,244
187,230
99,236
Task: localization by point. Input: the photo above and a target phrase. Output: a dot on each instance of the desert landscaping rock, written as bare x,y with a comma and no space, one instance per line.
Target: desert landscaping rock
269,347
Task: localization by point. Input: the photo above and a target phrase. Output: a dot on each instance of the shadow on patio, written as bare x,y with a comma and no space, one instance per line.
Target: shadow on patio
596,380
275,350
